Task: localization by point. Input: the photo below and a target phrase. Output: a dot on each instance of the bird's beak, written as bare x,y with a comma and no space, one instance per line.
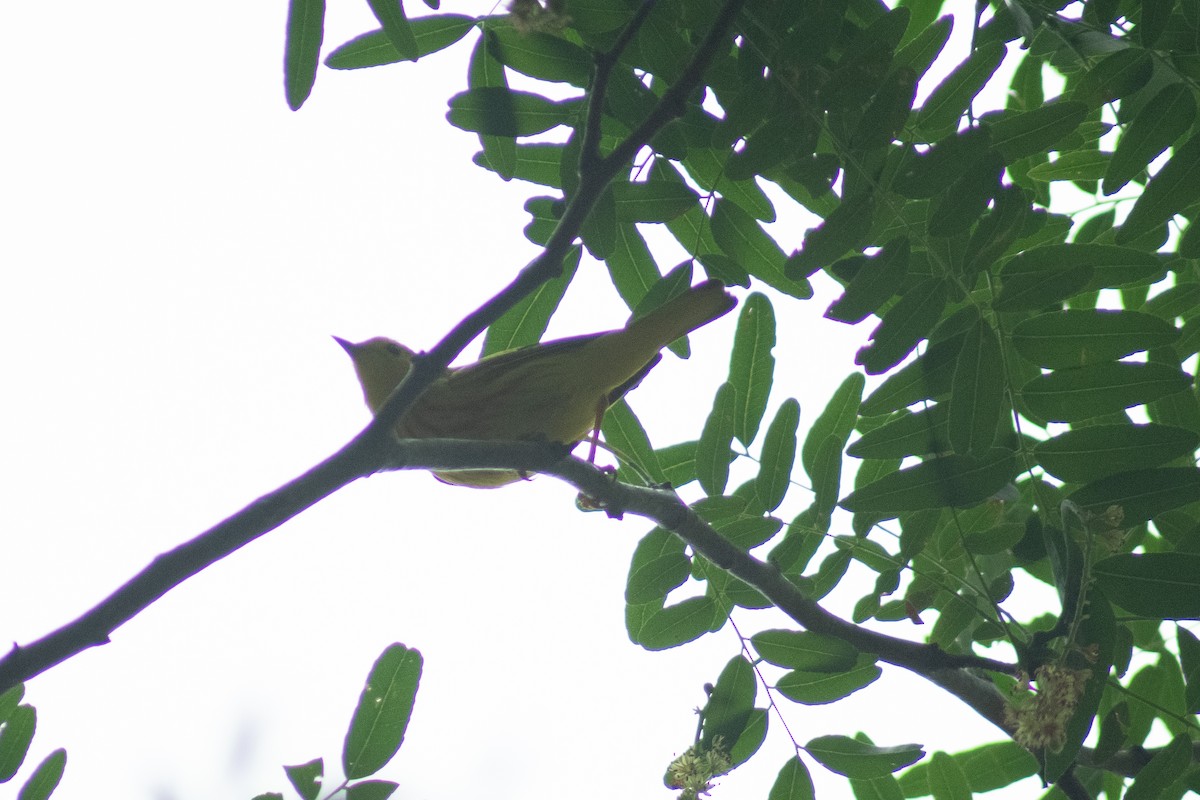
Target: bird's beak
349,347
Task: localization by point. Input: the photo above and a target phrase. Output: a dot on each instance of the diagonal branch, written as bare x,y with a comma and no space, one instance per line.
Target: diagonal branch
374,448
952,671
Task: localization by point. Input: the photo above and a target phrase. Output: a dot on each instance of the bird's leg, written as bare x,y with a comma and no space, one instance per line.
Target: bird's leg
601,407
582,501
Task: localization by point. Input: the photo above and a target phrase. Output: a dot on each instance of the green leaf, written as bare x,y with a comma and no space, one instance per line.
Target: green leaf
599,230
953,480
1087,454
977,393
1156,126
1041,276
876,279
15,738
827,477
750,738
928,376
940,112
888,111
306,778
707,167
1156,585
1072,395
396,28
820,688
597,16
653,569
1078,165
503,112
1172,189
302,49
631,265
913,434
524,323
542,56
957,209
989,767
384,708
928,174
778,456
856,759
730,703
1141,494
652,201
904,325
947,781
1152,21
837,420
432,33
1163,770
740,237
45,777
678,462
846,228
1175,301
712,451
678,624
10,700
998,230
500,152
804,650
883,788
623,432
748,532
1027,133
793,782
371,790
1112,730
1115,76
1029,291
751,366
1078,337
923,49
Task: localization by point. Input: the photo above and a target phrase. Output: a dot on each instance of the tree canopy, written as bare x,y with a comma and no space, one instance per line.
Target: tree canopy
1025,408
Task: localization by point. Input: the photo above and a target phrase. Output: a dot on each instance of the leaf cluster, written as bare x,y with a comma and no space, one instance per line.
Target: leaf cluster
1032,407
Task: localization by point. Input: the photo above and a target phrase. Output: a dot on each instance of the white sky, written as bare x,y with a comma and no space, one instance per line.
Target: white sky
178,247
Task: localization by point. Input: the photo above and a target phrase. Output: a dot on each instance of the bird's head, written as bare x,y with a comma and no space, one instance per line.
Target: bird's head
381,364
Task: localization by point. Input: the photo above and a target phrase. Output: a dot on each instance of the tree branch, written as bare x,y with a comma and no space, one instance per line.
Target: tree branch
371,450
951,671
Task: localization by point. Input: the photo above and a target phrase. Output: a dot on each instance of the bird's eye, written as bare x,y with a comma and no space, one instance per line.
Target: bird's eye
395,349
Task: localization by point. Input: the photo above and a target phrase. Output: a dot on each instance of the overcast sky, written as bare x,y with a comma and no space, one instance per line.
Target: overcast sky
178,248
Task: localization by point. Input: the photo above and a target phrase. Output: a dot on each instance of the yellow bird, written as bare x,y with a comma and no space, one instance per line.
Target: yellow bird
554,391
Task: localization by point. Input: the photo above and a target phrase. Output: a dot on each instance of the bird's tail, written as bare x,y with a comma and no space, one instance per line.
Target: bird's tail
679,316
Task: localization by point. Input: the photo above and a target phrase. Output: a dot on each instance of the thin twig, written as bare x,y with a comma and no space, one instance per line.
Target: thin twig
605,62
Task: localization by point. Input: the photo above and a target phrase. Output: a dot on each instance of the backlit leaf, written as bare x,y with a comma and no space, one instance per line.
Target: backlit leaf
1140,494
1072,395
384,708
1157,585
751,366
856,759
1086,454
1157,125
1172,189
953,480
302,49
505,112
431,34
